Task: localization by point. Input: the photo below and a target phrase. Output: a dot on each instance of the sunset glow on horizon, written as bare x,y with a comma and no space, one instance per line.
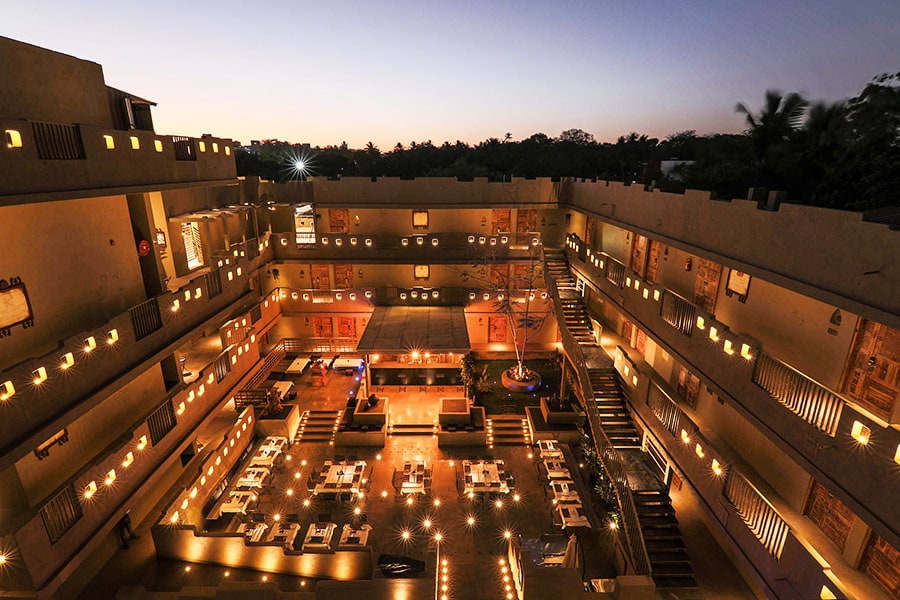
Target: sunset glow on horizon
359,72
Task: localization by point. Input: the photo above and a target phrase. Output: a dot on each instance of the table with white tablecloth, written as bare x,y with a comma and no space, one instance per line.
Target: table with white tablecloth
485,476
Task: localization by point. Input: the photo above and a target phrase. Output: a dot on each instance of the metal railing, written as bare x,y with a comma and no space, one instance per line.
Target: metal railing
57,141
678,312
665,409
612,462
811,401
761,518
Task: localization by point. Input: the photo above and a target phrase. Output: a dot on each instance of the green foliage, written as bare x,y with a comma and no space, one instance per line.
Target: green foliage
841,156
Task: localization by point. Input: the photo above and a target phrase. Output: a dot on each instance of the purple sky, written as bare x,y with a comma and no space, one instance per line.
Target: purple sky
328,72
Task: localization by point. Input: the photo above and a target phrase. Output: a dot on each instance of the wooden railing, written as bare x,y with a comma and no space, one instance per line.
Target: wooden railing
615,271
811,401
762,519
612,462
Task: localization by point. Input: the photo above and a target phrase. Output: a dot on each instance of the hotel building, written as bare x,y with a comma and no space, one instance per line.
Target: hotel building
743,355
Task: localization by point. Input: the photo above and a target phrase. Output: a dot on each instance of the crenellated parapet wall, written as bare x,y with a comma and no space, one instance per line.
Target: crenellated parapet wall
827,254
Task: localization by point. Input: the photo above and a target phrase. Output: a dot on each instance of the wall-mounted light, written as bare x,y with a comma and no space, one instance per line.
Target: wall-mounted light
128,460
685,437
728,347
338,242
190,396
284,241
628,282
90,489
404,242
174,517
493,241
646,293
198,292
637,284
420,240
353,241
745,351
142,442
181,408
471,239
109,142
634,380
487,296
39,375
716,468
89,344
699,450
435,242
158,145
338,296
656,295
234,360
435,294
482,239
352,296
305,297
368,242
701,322
324,241
110,477
112,336
201,390
230,276
504,239
66,360
713,333
403,295
135,142
175,305
860,433
368,294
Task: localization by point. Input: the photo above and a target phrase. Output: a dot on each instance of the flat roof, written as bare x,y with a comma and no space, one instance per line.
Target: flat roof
406,328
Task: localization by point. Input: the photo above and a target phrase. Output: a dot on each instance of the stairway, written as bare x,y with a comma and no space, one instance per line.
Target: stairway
557,266
669,561
507,430
615,419
318,425
577,321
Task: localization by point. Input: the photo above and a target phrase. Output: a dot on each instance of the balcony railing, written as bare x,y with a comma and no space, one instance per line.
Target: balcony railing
763,520
612,462
665,409
678,312
812,402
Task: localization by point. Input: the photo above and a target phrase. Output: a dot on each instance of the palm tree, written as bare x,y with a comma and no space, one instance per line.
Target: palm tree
770,132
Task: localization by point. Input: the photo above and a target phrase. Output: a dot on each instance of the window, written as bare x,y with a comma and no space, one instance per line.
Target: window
304,224
61,513
13,139
202,146
227,151
421,271
193,249
420,218
215,147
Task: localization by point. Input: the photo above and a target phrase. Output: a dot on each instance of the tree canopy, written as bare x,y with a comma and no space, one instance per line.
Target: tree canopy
844,155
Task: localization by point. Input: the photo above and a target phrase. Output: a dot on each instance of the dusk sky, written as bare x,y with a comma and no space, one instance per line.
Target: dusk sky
389,72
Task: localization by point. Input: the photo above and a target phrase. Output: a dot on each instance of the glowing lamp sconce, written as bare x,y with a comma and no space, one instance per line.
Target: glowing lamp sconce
493,241
187,295
860,433
716,468
403,295
368,243
234,360
634,380
628,282
198,292
745,351
181,408
471,295
184,504
305,297
353,241
112,337
646,293
338,296
685,437
201,390
90,489
135,143
230,276
176,304
109,142
637,284
368,294
352,296
728,347
699,450
110,477
157,145
66,360
174,517
7,390
212,377
190,396
482,240
142,442
471,239
338,242
404,242
714,334
89,344
656,295
897,455
701,322
128,460
420,241
487,296
40,375
284,241
294,295
435,242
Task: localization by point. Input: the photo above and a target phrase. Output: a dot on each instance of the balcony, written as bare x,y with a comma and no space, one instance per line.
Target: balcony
53,161
813,424
80,371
